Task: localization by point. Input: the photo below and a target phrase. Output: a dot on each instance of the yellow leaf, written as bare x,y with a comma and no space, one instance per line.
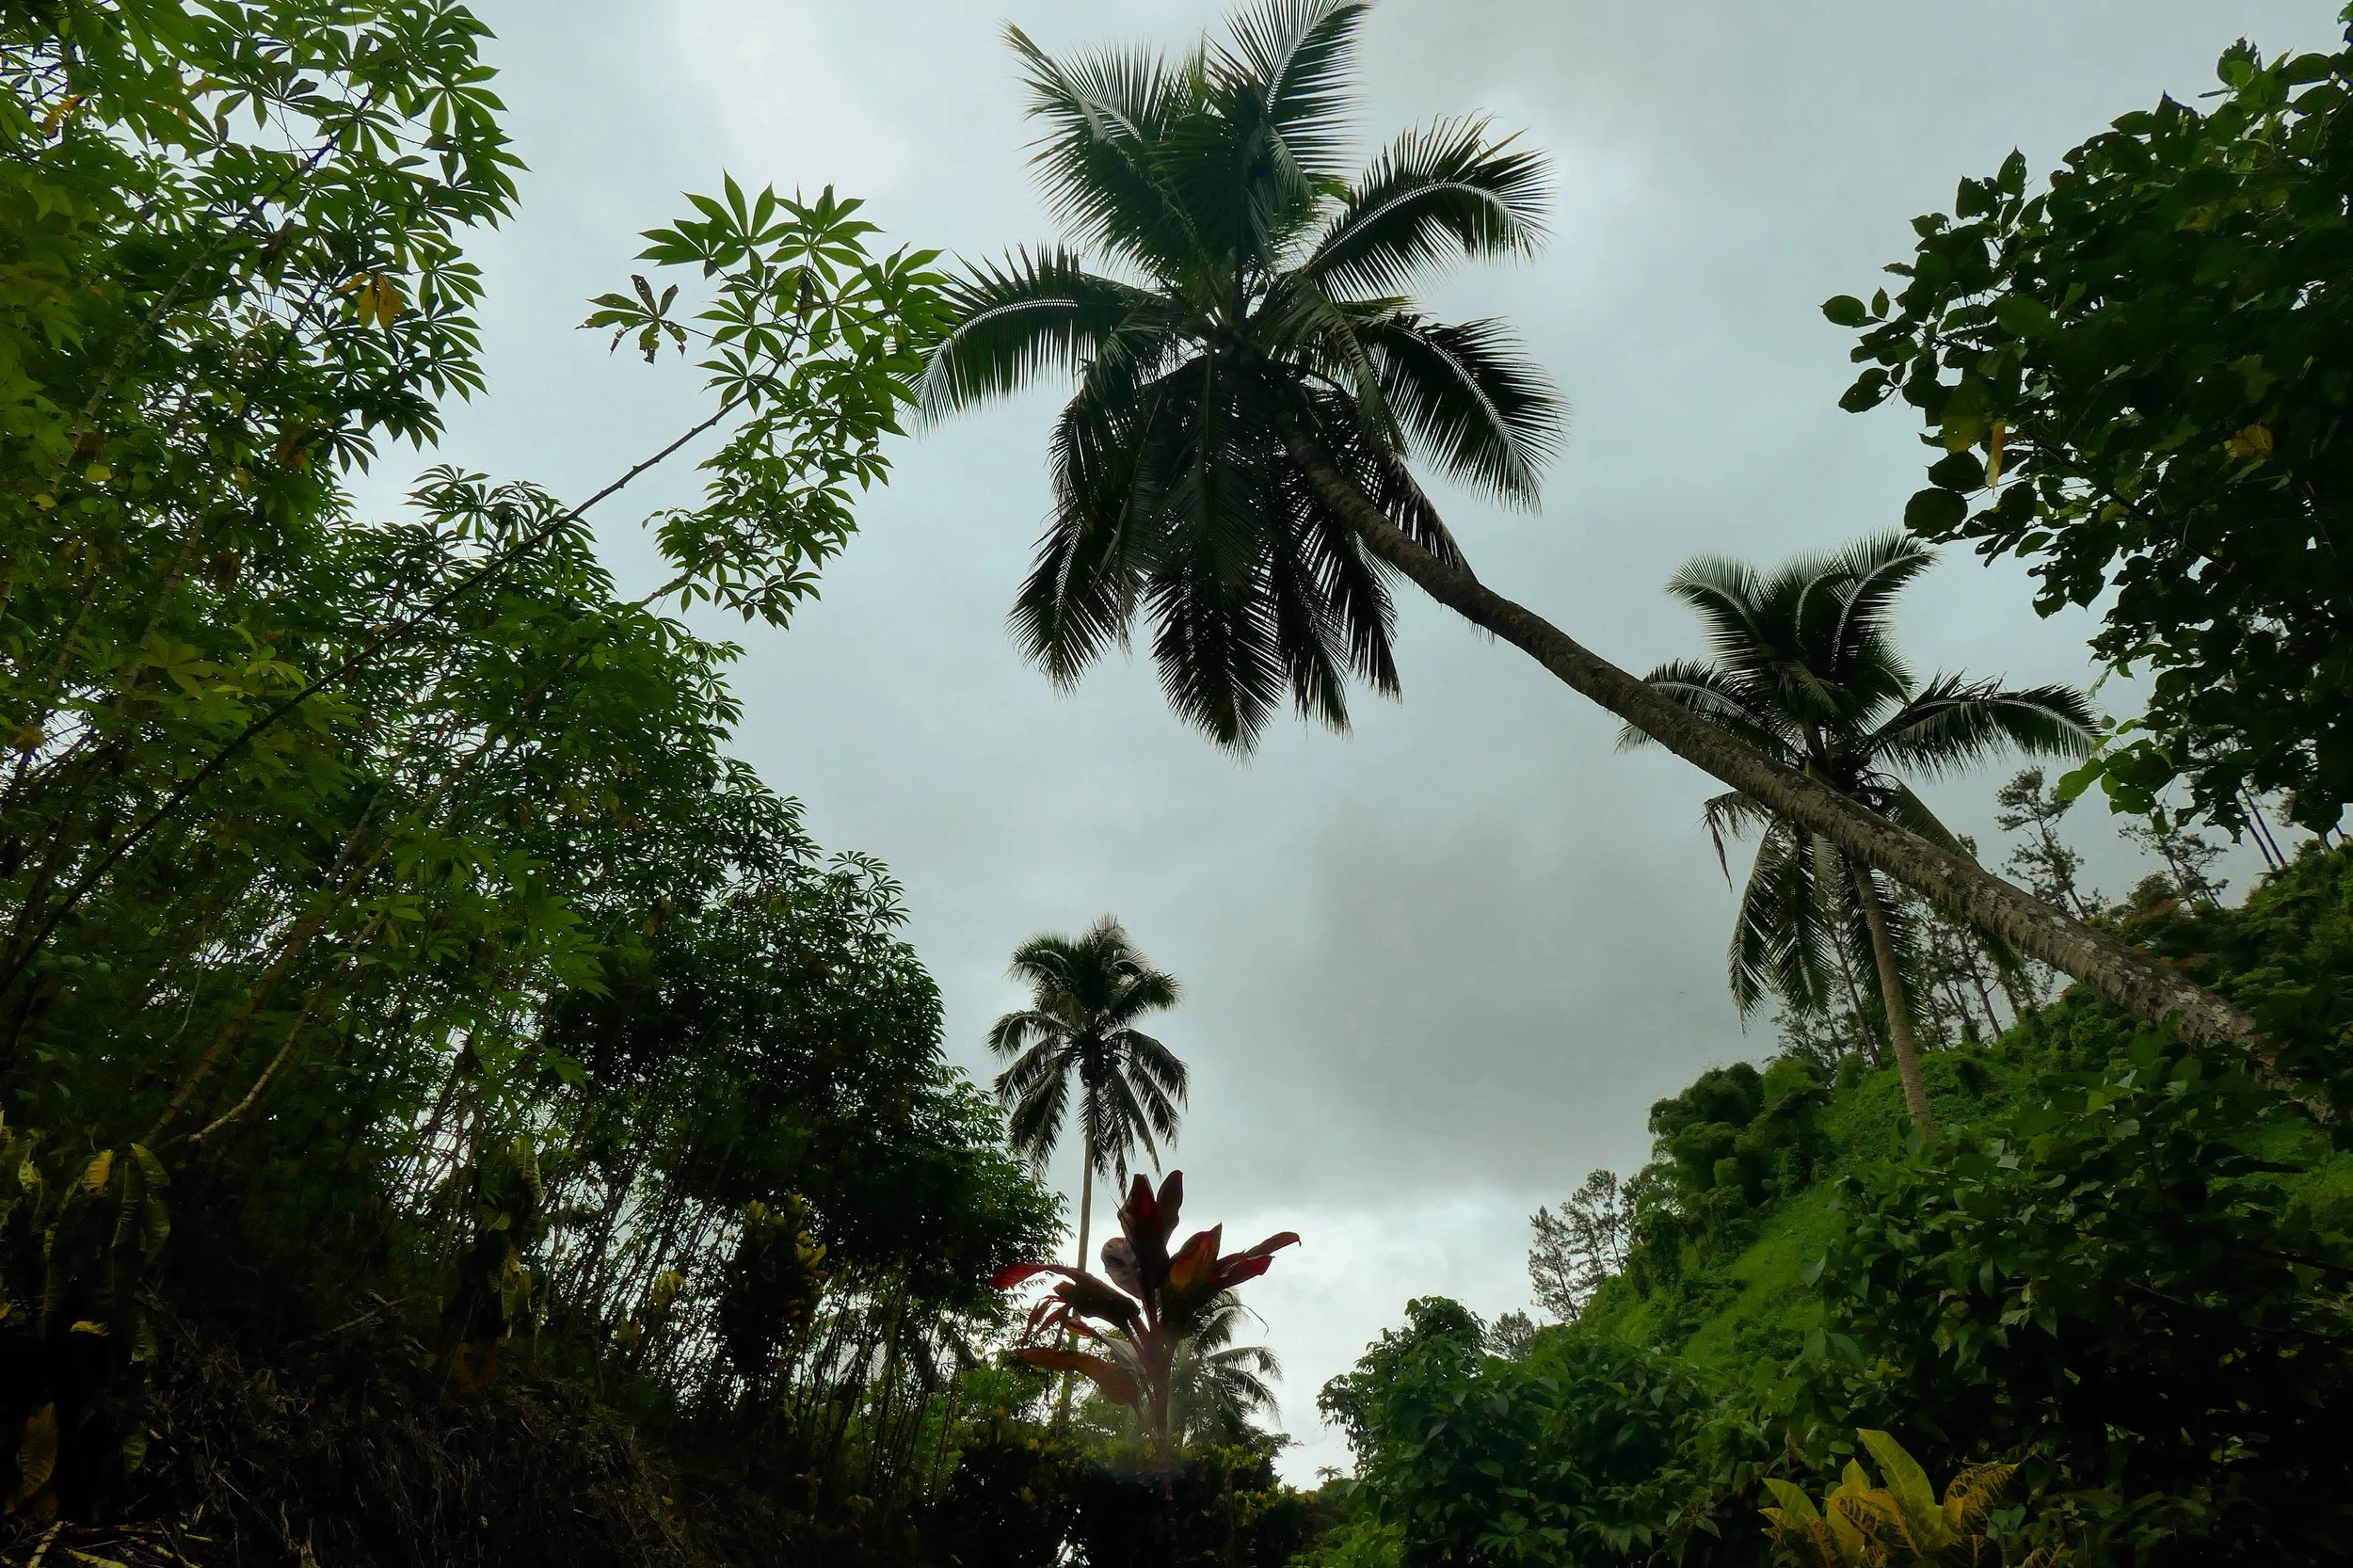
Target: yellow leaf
53,120
1994,448
98,473
44,501
1910,1493
90,1326
2250,445
35,1456
100,1168
375,298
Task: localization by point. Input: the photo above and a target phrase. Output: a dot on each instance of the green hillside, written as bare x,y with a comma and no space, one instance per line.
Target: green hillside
1760,1157
2119,1264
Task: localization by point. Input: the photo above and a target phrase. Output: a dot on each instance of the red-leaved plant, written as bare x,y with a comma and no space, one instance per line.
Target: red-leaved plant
1145,1312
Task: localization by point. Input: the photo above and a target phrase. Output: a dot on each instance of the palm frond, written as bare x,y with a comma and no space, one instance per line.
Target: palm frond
1732,814
1473,404
1016,1031
1038,1102
1954,725
1778,931
1294,56
1438,193
1079,597
1153,1063
1725,592
1723,700
1035,313
1109,113
1872,572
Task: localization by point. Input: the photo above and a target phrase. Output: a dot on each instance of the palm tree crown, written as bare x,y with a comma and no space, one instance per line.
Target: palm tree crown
1220,1386
1254,314
1086,994
1807,670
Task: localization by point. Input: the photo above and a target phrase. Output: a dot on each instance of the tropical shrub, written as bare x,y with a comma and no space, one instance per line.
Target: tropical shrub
1582,1451
2120,1284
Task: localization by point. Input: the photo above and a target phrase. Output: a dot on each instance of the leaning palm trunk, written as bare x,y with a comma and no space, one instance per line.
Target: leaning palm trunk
1894,1002
2133,981
1263,336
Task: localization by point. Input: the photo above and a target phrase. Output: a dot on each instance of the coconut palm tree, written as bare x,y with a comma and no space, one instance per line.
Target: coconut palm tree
1805,669
1079,1031
1219,1386
1254,384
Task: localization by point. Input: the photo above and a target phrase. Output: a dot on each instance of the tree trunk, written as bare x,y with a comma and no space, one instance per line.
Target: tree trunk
2135,982
1086,1215
1854,1000
1892,1001
1985,995
1086,1196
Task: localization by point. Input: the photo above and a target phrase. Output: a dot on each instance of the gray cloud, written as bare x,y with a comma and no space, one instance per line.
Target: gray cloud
1438,969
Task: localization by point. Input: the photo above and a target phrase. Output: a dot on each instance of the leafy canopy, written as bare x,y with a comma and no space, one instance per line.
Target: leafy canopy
2133,382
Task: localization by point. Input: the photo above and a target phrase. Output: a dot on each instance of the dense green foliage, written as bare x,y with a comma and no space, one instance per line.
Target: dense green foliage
450,1111
2125,1267
399,978
2139,372
1579,1448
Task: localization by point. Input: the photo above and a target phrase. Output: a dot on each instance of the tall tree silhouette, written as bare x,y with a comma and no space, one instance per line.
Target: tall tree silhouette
1077,1038
1252,383
1805,669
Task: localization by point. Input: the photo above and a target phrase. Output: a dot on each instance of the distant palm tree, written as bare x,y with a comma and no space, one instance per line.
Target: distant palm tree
1079,1032
1252,379
1219,1386
1807,670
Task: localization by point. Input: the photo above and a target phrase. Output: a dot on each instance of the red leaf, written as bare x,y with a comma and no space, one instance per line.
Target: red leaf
1148,1240
1194,1270
1081,1291
1172,1202
1236,1267
1142,1209
1091,1296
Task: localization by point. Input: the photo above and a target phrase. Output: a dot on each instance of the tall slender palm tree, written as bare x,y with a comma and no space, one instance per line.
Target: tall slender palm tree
1086,993
1253,382
1805,669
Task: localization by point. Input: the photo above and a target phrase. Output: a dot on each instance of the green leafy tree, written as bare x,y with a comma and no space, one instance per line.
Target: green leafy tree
2045,862
384,917
1086,994
1584,1451
2117,1280
1583,1246
1255,386
2130,372
1804,667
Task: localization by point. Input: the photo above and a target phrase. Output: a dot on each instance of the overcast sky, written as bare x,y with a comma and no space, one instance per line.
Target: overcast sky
1439,968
